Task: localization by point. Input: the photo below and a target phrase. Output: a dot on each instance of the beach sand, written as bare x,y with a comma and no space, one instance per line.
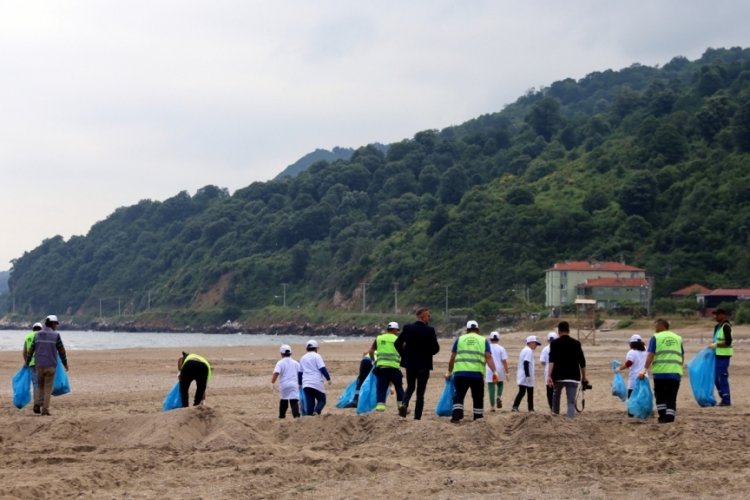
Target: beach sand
109,438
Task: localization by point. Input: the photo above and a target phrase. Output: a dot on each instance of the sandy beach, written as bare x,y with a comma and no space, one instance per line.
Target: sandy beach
109,438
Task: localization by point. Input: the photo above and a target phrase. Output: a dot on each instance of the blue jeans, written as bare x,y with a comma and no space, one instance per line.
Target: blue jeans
315,399
722,378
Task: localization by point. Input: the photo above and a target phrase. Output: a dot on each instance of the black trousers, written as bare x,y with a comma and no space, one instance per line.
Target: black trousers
550,393
286,403
522,391
665,392
416,379
193,370
463,385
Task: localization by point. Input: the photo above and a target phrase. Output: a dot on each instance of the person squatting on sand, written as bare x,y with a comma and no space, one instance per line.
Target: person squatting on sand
500,357
387,369
469,355
665,358
365,366
44,348
32,364
567,368
525,373
722,346
193,367
417,344
544,360
314,372
635,360
289,374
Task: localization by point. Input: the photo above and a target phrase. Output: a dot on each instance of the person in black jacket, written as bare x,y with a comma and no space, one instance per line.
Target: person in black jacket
567,369
417,344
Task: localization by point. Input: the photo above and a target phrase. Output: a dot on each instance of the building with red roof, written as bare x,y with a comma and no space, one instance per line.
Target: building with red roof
710,301
563,279
694,289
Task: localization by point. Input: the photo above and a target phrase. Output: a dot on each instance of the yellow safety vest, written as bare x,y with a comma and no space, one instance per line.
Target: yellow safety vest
29,339
470,354
719,337
668,357
197,357
387,355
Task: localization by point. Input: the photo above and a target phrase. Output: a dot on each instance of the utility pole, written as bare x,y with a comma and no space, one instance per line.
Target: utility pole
446,302
395,297
364,296
284,299
100,308
148,306
119,311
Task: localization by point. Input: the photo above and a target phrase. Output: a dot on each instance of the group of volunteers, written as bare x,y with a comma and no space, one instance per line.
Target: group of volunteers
475,362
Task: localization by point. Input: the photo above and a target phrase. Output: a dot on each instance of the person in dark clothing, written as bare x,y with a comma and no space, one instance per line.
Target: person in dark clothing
365,367
722,346
417,344
45,347
193,368
567,369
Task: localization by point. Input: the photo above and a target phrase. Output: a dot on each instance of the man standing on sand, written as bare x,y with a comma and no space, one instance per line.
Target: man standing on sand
722,346
667,356
567,369
417,344
44,348
32,364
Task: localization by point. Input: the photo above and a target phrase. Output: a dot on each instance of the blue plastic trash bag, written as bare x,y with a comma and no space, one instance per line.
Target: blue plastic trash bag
618,384
302,402
348,396
22,387
641,400
173,399
368,394
60,384
444,407
702,372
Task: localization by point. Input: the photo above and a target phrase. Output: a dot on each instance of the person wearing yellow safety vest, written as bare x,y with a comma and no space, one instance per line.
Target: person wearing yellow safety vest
469,354
722,346
665,358
193,367
32,364
387,369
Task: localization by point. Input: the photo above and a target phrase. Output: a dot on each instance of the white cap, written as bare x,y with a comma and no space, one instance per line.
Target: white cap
472,324
52,318
393,325
532,338
312,344
552,335
636,338
37,325
285,349
495,336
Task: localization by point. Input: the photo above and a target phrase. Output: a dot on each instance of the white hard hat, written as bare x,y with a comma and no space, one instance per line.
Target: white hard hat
52,319
393,325
37,325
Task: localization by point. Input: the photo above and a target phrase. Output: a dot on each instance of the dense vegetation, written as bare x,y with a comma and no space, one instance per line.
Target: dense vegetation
645,165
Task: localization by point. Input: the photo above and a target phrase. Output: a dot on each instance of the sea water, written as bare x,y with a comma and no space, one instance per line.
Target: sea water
12,340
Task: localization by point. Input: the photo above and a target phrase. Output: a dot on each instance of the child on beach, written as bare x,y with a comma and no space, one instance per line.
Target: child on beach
289,374
525,373
314,372
500,357
635,361
544,359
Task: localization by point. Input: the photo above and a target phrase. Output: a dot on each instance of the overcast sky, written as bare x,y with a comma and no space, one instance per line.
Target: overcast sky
106,103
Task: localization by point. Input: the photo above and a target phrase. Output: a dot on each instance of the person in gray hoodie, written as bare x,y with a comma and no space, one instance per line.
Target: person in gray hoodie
45,347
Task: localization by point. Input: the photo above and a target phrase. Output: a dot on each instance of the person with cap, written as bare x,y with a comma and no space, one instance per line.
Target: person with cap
387,369
44,348
469,355
193,367
365,367
289,374
722,346
525,374
567,369
666,355
417,343
544,360
32,365
314,372
635,361
500,357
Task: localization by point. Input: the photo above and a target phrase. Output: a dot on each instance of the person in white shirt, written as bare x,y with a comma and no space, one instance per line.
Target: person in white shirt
544,359
289,374
314,373
525,373
635,361
500,357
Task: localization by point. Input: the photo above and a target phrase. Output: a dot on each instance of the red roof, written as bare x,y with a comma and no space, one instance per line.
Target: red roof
730,292
579,265
615,282
695,288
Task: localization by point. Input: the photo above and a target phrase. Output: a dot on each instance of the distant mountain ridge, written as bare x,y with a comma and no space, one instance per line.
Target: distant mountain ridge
319,154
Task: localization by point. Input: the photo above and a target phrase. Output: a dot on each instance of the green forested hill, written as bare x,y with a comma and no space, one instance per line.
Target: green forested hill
646,165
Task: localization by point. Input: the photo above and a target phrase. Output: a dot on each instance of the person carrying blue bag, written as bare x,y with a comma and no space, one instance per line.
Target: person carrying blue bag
387,368
665,358
45,347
